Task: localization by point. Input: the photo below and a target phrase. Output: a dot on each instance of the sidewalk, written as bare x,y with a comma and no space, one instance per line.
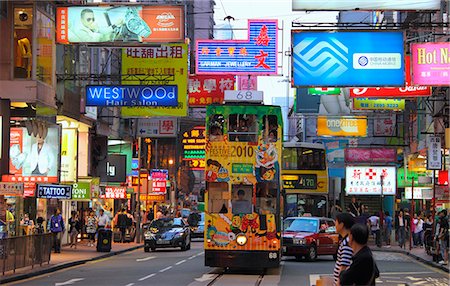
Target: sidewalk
68,257
417,253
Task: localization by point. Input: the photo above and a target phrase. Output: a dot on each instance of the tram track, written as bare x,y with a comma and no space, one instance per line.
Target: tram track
224,279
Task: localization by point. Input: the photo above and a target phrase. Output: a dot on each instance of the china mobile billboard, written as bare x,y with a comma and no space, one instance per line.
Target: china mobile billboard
34,157
339,5
408,90
353,126
368,180
431,63
348,58
256,55
121,24
208,89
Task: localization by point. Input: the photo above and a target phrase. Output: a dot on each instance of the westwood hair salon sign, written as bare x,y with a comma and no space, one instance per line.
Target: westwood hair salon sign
54,192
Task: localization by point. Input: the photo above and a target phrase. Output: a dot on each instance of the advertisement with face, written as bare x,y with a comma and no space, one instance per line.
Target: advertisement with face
34,155
120,24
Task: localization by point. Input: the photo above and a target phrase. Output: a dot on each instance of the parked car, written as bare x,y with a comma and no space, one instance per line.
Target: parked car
197,231
167,232
309,237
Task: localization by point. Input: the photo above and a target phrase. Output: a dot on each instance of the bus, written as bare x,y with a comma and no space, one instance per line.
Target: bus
242,197
305,179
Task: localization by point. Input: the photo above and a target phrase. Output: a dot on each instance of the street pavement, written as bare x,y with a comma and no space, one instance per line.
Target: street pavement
175,267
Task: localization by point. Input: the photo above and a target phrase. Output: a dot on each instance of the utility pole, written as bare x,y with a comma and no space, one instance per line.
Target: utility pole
139,193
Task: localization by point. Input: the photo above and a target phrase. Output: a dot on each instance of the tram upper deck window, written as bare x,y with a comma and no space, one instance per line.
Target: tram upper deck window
243,128
270,128
218,197
216,123
304,159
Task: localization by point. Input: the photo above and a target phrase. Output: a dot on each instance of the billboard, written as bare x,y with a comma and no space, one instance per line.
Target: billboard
34,157
131,95
385,125
339,5
166,65
431,63
194,141
324,90
322,58
378,104
121,24
113,192
256,55
157,127
54,191
370,155
408,90
353,126
69,154
208,89
368,180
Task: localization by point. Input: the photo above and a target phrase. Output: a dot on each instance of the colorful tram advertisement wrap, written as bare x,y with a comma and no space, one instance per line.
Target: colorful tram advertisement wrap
243,153
305,179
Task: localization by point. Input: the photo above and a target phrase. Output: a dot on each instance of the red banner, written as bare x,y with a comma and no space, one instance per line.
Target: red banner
208,89
407,91
114,193
365,155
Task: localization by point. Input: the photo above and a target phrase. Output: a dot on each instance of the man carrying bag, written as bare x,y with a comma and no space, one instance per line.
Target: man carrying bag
57,228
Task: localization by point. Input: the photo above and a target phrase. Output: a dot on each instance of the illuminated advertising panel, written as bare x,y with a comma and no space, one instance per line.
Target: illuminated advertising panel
81,191
408,90
167,66
378,104
122,24
209,89
113,192
322,58
370,155
159,181
54,192
324,90
33,157
157,127
368,180
354,126
69,155
339,5
132,95
256,55
194,147
431,63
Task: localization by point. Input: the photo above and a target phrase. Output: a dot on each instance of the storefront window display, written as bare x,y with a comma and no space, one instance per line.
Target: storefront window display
23,34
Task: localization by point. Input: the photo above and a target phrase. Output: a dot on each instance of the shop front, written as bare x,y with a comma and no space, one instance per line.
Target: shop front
11,200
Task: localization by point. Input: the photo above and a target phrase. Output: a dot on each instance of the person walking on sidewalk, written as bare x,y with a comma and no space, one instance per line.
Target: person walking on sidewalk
387,228
74,229
121,221
443,237
418,229
374,223
91,228
57,228
400,227
363,270
343,223
103,219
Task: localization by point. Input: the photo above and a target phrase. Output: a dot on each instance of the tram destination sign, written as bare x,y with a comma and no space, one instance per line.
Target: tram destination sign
132,95
300,181
54,192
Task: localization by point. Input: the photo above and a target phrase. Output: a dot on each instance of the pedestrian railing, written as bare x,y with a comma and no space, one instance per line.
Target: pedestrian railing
25,251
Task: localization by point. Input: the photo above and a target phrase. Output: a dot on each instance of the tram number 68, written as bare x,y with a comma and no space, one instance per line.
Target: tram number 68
239,151
247,94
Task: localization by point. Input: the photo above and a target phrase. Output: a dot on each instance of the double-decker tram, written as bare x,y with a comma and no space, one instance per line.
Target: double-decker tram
242,198
305,179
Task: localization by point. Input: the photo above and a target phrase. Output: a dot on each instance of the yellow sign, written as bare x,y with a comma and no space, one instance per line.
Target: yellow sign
378,104
353,126
163,65
69,155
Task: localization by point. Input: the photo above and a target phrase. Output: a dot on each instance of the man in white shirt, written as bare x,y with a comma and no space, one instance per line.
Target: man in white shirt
374,225
103,219
418,231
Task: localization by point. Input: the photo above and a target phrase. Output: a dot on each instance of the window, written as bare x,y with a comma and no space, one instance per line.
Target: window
243,128
327,226
304,159
300,225
218,197
216,123
23,35
301,204
270,128
242,199
266,198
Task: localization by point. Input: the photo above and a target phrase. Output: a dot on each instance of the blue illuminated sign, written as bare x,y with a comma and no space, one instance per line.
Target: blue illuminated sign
256,55
348,58
132,95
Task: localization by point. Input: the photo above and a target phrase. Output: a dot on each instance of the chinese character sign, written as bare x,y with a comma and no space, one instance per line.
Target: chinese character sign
368,180
431,63
256,55
385,125
194,147
247,82
434,155
207,89
110,192
165,65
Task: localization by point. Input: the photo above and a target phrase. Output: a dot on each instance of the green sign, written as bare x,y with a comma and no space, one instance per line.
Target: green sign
242,168
81,191
194,154
401,182
324,90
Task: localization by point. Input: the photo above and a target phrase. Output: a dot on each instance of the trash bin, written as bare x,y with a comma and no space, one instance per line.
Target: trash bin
104,240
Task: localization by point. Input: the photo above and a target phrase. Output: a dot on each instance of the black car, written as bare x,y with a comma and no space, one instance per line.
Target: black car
167,232
198,228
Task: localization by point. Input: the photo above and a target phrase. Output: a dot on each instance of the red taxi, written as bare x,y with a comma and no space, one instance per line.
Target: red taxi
309,237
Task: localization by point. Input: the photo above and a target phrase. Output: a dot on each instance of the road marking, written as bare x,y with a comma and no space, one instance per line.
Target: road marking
145,258
403,273
200,254
69,282
165,269
146,277
420,283
192,257
130,284
179,262
205,277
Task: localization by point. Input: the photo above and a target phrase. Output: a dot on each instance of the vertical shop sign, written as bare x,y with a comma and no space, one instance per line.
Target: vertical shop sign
69,155
434,155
